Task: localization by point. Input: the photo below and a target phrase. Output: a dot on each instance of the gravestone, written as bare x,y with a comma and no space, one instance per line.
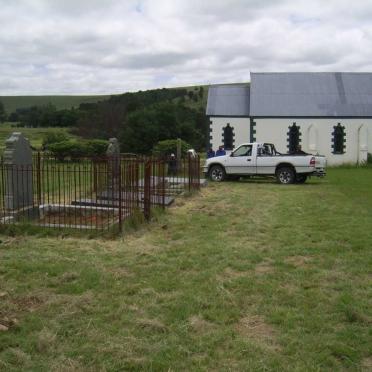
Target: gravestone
18,168
113,165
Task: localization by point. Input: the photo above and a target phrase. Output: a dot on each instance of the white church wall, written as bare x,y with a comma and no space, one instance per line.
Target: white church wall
240,125
316,136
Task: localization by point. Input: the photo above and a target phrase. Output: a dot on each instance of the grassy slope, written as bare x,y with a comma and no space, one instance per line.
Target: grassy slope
11,103
35,135
244,276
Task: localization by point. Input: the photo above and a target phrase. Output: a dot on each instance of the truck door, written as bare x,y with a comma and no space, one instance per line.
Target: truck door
265,159
241,161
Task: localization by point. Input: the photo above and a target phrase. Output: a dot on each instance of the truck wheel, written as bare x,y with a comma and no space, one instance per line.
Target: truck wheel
285,175
217,173
301,178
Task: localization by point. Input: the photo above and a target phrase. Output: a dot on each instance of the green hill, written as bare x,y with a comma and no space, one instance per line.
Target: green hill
11,103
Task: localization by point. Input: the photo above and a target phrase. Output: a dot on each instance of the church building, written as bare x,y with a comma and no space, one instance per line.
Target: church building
325,113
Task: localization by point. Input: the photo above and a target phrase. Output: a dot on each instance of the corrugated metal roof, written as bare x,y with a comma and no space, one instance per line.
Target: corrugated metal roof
228,100
311,94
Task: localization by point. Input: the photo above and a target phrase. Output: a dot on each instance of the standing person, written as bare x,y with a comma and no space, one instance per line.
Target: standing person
192,153
220,151
210,153
172,165
298,151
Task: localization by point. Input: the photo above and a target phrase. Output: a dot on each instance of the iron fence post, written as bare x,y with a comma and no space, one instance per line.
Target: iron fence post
38,177
189,170
162,164
120,196
147,190
198,171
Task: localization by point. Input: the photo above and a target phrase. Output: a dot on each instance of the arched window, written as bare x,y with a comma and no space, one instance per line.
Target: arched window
338,139
228,137
294,138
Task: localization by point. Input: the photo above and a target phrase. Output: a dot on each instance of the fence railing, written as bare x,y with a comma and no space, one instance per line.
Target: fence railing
91,193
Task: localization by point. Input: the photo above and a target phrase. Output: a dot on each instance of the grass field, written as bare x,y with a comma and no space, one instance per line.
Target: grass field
35,135
244,276
11,103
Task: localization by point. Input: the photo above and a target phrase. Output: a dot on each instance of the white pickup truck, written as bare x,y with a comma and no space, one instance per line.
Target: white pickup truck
261,159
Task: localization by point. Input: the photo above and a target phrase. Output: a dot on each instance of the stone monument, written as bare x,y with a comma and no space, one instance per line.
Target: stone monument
113,163
18,168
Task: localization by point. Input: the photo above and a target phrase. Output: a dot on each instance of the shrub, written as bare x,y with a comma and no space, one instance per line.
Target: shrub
369,158
53,137
76,149
167,147
62,150
95,147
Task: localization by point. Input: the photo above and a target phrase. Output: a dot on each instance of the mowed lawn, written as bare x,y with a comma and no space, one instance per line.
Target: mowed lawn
243,276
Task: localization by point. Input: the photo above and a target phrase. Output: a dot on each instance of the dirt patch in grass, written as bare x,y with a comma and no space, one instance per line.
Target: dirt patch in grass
119,272
231,274
72,304
289,288
45,340
367,364
200,325
28,303
152,325
6,323
264,268
14,307
298,261
256,329
68,277
69,365
141,245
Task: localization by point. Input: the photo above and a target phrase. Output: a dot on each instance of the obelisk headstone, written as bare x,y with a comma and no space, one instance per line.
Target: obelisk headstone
18,167
113,164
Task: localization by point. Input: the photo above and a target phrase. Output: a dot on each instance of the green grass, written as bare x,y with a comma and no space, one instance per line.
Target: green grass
11,103
244,276
35,135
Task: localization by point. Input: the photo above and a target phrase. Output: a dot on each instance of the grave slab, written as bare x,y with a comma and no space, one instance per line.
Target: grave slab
19,174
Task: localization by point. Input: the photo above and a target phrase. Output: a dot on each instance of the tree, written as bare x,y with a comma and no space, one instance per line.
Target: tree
167,147
144,128
102,122
2,112
13,117
201,92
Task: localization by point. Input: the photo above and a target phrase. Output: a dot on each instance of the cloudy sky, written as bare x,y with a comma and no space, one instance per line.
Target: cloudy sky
112,46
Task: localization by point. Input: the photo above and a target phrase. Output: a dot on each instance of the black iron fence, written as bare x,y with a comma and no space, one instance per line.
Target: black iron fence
92,193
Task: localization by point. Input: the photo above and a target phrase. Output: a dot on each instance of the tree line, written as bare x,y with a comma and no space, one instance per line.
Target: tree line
139,119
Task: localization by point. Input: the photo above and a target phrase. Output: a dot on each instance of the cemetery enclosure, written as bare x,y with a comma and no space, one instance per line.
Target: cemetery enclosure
90,193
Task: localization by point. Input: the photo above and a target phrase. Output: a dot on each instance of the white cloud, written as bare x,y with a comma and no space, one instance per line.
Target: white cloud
96,46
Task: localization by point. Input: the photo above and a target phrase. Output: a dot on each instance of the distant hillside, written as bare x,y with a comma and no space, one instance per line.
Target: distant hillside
11,103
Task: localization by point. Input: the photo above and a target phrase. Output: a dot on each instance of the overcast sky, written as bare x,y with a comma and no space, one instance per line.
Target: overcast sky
104,46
